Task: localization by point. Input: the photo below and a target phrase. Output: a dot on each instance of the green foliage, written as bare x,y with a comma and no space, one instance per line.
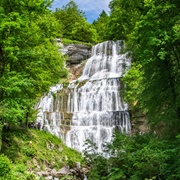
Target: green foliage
5,166
137,157
74,24
19,172
123,17
98,163
29,59
68,16
134,87
1,131
30,150
157,52
70,41
101,26
151,31
83,31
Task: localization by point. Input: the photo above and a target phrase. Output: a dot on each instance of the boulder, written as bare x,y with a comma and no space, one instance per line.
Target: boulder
53,172
63,171
45,173
85,170
60,148
78,165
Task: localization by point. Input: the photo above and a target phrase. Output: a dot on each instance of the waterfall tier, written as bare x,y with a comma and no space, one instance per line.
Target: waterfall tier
92,106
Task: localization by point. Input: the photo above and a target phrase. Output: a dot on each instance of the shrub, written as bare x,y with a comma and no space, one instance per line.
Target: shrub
29,151
136,157
5,166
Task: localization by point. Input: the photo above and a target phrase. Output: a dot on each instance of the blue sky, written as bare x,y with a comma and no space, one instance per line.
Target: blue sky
92,8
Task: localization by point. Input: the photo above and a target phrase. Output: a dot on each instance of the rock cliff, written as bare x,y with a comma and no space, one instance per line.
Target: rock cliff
76,52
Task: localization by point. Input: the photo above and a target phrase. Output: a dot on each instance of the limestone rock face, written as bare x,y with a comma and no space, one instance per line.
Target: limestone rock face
139,123
76,52
75,71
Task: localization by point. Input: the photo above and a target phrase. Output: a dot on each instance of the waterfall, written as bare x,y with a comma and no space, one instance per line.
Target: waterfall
93,105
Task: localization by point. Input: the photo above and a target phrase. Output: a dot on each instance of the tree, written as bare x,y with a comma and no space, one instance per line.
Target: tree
156,48
132,93
123,17
74,24
68,16
151,31
101,25
136,157
84,32
29,60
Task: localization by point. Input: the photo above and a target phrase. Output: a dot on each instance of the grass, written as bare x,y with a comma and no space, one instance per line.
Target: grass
33,150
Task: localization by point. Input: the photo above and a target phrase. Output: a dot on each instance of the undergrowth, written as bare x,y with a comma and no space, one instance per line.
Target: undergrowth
25,151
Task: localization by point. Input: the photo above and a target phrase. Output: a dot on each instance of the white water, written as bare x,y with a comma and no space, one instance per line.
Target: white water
94,101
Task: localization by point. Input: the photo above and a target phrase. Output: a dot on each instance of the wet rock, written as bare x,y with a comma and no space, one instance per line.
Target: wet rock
56,178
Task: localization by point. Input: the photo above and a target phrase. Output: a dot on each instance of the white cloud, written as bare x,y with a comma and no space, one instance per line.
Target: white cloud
92,8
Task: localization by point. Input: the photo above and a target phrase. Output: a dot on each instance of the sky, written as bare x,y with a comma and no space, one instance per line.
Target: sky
92,8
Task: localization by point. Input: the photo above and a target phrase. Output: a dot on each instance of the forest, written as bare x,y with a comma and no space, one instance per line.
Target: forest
30,63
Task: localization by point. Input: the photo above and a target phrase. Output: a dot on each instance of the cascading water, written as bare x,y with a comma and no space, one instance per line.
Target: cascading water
93,101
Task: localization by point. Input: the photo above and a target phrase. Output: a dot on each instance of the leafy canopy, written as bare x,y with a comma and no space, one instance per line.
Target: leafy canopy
29,60
151,30
74,24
